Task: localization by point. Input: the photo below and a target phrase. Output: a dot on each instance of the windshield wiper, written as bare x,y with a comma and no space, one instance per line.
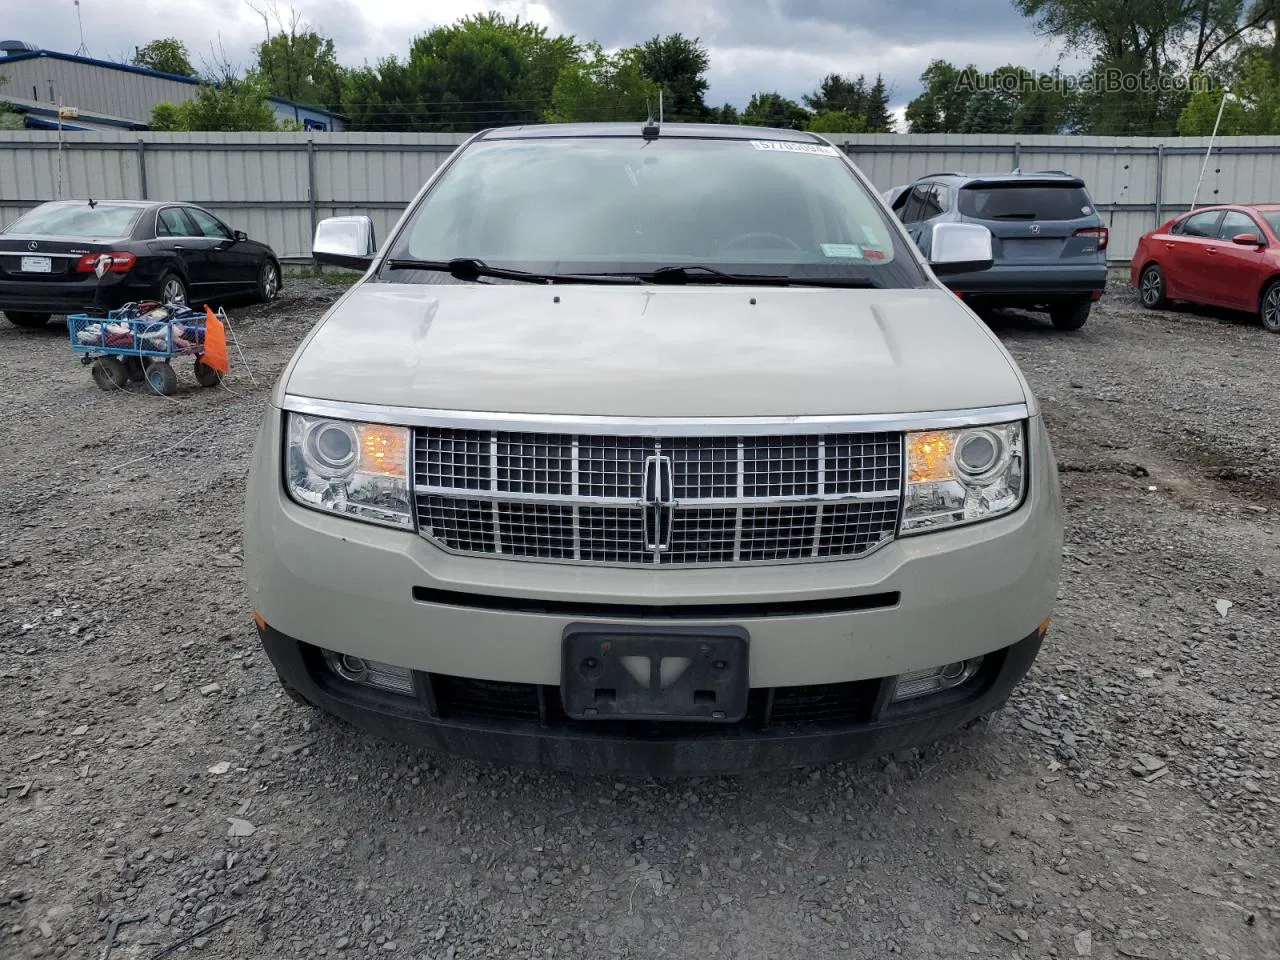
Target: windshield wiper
1014,216
471,269
468,268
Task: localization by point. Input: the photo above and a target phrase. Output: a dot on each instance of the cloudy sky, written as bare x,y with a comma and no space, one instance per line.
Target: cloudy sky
786,45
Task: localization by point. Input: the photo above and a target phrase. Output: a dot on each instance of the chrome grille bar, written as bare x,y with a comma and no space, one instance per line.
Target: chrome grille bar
657,501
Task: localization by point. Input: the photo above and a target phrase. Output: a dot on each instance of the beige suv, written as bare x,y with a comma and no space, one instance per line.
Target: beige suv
657,450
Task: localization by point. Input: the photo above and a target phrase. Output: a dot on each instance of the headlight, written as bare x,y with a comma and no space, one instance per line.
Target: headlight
961,476
360,470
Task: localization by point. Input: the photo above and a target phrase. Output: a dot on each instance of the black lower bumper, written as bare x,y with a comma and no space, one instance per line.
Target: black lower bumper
509,723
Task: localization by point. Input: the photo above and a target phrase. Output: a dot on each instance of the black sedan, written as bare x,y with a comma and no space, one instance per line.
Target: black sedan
73,256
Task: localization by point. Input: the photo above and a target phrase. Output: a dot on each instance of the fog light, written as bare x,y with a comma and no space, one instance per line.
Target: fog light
920,683
372,673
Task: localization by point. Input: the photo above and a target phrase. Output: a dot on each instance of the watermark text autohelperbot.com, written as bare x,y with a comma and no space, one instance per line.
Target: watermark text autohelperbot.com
1109,80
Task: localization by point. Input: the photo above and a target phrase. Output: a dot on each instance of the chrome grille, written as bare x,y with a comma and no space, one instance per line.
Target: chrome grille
642,501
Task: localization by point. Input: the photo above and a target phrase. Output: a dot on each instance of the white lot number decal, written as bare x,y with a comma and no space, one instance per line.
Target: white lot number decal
784,146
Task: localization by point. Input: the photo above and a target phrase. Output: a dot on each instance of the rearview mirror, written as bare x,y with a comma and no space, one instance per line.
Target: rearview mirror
1247,239
959,248
344,242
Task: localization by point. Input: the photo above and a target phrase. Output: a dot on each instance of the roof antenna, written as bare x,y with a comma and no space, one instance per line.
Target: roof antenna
650,129
82,50
92,203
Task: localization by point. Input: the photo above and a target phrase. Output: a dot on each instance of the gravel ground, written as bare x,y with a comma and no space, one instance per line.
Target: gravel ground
1124,804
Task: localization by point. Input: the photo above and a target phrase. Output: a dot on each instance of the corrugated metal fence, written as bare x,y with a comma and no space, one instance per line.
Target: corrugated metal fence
275,186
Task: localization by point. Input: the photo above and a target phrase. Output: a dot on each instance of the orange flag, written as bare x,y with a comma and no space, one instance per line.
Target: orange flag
215,343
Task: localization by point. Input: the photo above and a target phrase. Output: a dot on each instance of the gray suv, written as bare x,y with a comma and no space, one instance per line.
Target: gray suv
1048,240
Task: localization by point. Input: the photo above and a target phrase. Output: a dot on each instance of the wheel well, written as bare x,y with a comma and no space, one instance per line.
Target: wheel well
1262,288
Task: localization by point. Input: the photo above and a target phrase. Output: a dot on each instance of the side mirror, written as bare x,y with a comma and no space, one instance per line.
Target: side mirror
959,248
344,242
241,236
1247,239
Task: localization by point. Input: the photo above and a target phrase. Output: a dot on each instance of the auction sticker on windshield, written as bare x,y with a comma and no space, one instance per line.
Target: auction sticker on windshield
850,251
785,146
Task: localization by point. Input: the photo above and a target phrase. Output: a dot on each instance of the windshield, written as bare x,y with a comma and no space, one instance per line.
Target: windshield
78,220
1015,202
1273,220
579,205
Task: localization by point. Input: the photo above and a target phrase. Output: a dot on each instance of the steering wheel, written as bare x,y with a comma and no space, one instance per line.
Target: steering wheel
744,237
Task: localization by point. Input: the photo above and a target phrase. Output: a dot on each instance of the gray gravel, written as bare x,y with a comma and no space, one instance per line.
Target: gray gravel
1123,805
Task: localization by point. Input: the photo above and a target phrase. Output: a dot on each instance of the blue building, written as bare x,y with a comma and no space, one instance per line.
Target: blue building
111,96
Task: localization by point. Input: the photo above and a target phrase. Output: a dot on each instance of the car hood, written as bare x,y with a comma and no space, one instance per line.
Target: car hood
690,351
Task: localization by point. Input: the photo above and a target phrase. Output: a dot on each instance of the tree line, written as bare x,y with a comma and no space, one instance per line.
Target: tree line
488,70
1156,68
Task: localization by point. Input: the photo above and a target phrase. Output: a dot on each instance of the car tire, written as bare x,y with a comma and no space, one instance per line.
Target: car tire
26,320
295,696
1070,316
1269,310
173,289
268,282
1151,287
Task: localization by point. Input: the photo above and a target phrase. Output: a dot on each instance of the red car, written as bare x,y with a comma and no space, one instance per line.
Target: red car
1225,256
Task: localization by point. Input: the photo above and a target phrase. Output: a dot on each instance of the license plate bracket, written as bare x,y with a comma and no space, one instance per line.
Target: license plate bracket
37,265
627,672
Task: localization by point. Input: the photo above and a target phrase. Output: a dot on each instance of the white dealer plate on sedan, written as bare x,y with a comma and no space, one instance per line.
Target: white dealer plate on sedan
37,265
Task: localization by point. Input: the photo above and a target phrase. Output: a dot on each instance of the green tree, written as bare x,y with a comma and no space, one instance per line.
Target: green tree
836,121
228,105
10,119
877,115
1146,44
941,105
386,97
1252,106
679,65
480,71
838,93
603,87
168,55
1048,105
301,66
725,114
774,110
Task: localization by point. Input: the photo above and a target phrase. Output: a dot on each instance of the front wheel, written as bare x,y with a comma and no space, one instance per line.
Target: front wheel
1270,310
1151,288
268,281
27,320
1071,316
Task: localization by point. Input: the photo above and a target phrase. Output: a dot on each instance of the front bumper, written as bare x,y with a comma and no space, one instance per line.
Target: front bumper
525,723
324,582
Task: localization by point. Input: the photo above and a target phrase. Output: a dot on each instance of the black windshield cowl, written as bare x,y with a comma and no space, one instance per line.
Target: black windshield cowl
701,273
471,269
